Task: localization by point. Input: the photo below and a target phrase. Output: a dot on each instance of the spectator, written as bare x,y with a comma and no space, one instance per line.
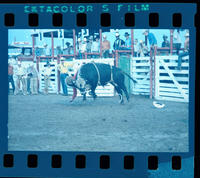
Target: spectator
95,46
79,47
105,47
84,45
127,41
10,78
165,42
151,38
59,50
47,74
34,80
118,43
67,50
47,50
185,52
143,50
136,48
89,44
63,68
28,79
177,41
21,77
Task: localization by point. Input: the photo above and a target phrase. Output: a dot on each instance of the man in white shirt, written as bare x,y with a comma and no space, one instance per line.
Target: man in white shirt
47,75
21,77
95,46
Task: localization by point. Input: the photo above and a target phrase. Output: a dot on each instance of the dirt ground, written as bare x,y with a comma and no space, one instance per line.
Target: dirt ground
52,123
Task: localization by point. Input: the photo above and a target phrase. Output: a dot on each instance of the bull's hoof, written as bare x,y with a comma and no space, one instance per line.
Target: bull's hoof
121,102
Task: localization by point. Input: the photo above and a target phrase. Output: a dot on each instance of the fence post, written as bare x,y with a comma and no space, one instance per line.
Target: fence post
151,74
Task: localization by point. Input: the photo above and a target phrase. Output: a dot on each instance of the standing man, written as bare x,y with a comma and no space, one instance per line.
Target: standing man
165,42
47,75
34,80
95,46
185,52
21,77
152,40
177,41
127,41
47,50
118,43
10,78
105,47
28,79
63,68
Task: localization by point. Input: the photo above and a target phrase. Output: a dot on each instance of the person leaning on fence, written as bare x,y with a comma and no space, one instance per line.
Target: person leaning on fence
63,68
21,77
10,78
105,47
185,52
165,42
47,75
89,44
127,41
33,80
136,48
118,43
47,50
143,50
95,46
177,41
152,40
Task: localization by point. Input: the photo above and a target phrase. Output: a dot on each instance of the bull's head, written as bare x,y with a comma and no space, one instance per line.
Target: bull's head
79,83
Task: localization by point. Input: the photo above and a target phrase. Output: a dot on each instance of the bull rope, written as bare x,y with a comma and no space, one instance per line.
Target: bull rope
111,73
99,83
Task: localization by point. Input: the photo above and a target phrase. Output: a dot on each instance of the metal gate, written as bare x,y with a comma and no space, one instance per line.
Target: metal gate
172,84
53,87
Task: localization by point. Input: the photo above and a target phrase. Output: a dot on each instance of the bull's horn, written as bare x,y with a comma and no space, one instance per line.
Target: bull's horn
70,80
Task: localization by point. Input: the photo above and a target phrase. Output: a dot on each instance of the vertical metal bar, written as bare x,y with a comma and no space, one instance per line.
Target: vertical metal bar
58,76
150,74
52,45
117,57
132,43
100,36
33,49
171,42
74,42
155,51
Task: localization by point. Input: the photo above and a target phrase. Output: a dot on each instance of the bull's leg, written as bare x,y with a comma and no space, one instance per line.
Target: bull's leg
84,96
119,91
123,87
93,93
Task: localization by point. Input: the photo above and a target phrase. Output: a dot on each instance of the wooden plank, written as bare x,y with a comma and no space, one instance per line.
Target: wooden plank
171,99
172,85
178,79
163,71
175,90
178,95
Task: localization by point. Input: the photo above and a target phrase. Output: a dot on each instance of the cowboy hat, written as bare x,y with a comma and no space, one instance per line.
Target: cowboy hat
144,31
126,34
117,34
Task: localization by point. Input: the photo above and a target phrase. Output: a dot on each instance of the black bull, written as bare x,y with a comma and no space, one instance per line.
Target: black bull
92,74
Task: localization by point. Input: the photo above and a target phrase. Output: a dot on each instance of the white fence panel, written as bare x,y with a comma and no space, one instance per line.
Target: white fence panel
53,87
140,68
172,84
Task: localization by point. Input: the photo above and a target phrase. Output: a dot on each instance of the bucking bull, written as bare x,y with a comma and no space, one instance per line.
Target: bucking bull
92,74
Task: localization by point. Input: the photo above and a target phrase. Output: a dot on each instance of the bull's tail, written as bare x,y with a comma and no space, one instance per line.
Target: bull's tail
129,76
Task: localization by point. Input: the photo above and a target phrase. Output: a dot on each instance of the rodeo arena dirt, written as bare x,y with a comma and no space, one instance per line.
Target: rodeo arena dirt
52,114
